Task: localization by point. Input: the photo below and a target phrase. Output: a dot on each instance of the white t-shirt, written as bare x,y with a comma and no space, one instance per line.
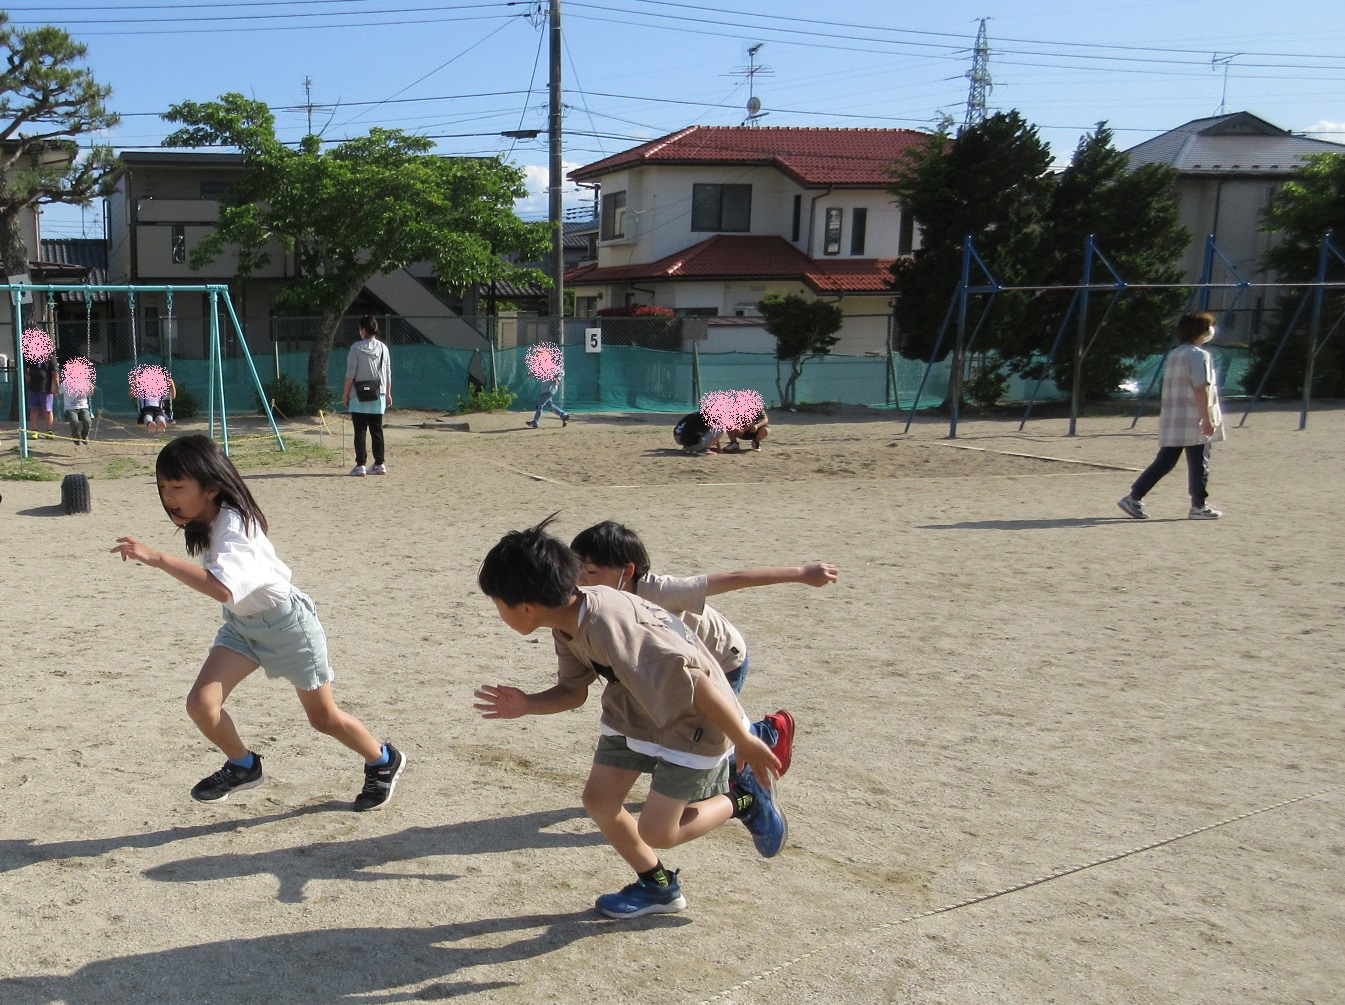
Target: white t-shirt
246,563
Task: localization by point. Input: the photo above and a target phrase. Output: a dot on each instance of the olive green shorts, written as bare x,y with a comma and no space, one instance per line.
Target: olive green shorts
671,780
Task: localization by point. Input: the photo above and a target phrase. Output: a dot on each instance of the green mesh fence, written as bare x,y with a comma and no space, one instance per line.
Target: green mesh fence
626,378
618,379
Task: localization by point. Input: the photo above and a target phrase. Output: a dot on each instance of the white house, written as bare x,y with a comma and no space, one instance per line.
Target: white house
709,219
168,200
1230,167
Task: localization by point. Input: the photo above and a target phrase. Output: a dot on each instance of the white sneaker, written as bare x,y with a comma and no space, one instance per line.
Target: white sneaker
358,471
1206,512
379,469
1133,507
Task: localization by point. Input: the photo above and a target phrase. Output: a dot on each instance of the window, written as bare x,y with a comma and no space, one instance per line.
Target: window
906,234
859,223
721,207
213,189
795,228
831,240
613,215
179,244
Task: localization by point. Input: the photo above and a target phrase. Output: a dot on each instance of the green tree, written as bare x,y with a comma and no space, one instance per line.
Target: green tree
804,329
1030,227
364,207
1311,204
991,182
48,101
1133,218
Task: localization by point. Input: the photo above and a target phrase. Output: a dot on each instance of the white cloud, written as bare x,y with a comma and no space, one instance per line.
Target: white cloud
1324,129
536,177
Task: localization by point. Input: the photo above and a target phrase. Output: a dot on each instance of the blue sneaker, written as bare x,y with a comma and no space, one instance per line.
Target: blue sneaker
641,898
764,820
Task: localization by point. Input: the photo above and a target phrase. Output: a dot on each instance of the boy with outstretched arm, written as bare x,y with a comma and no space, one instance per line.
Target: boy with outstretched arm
613,555
667,711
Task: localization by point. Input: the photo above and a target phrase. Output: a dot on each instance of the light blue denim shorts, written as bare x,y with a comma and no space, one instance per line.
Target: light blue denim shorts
286,640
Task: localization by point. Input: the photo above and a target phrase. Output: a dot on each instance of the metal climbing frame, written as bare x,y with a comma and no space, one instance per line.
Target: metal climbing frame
1314,292
216,292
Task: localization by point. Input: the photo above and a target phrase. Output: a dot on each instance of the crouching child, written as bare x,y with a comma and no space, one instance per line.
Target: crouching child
667,711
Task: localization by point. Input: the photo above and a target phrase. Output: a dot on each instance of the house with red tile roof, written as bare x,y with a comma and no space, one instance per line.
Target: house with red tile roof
708,220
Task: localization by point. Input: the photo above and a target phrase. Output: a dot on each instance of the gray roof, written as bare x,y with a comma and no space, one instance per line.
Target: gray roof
82,256
1239,144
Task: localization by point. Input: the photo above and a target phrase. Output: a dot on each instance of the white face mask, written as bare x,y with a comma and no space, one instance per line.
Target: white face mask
621,579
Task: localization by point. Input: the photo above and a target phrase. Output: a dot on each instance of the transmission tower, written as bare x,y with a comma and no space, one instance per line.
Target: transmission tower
979,75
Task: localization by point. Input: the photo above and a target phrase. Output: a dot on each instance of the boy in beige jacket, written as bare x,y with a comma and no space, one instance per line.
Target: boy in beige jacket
667,711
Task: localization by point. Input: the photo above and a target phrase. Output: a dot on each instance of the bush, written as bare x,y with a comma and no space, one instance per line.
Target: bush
287,396
986,387
480,399
186,405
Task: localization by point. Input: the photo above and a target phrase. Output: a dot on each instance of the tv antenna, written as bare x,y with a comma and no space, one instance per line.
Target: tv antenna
308,102
751,72
1217,61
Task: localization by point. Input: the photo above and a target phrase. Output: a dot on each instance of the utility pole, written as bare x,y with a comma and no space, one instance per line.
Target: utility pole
308,102
979,75
555,213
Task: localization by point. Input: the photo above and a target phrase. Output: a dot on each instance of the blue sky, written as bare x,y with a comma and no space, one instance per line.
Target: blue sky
463,71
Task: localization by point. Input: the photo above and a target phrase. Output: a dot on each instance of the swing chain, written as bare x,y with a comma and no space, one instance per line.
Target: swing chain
135,348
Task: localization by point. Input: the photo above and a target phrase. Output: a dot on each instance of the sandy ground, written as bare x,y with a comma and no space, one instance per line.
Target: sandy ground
1046,753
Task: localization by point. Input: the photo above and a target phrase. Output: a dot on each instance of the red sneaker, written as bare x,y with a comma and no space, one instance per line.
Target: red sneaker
784,745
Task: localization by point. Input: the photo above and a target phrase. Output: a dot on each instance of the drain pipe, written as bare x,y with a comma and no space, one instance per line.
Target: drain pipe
812,218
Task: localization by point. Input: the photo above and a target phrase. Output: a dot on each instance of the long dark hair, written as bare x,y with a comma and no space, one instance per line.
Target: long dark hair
369,325
197,457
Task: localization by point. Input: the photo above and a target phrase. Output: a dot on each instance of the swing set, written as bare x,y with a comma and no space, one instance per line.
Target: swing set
216,293
958,309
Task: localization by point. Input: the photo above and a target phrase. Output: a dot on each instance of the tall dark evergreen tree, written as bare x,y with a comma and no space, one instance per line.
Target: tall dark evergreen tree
1133,220
1030,227
992,182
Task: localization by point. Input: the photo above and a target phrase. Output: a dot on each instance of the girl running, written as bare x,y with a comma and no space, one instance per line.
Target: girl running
267,622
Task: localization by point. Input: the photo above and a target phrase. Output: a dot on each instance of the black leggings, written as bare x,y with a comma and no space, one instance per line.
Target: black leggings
373,424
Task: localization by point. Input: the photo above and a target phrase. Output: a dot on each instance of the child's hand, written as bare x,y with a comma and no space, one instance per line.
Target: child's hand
132,550
500,701
765,765
820,573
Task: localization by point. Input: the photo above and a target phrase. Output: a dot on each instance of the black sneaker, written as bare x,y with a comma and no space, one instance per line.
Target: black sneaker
229,778
380,780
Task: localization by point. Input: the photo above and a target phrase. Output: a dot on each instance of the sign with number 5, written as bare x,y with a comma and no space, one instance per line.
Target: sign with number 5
592,340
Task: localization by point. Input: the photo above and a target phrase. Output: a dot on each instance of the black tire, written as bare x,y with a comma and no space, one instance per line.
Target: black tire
75,494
